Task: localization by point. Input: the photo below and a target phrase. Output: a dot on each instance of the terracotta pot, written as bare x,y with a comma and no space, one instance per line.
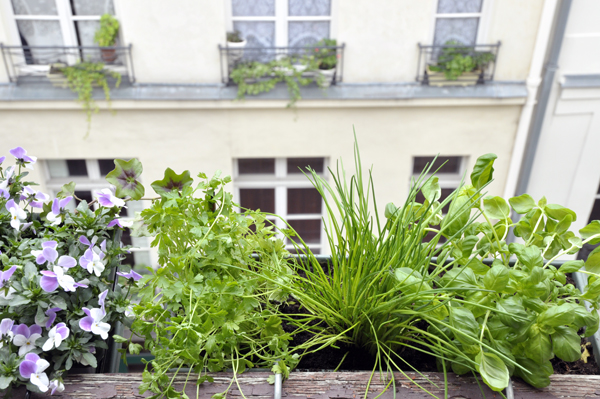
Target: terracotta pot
109,55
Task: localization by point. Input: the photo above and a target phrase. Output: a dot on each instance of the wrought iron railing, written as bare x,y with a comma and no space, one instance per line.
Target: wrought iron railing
434,64
232,57
23,62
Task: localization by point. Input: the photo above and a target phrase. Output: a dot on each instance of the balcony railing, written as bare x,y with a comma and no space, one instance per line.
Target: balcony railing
231,57
26,63
434,66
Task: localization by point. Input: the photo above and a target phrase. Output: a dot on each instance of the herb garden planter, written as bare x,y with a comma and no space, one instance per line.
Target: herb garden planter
439,79
327,76
236,51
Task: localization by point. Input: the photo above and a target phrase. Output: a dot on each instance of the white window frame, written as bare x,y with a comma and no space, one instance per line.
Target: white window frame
482,28
66,21
94,182
281,181
281,19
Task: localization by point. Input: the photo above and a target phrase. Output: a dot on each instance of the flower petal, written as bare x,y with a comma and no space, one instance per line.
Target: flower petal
26,368
86,323
67,261
49,284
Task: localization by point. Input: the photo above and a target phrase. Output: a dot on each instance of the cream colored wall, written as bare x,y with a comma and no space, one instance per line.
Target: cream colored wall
208,139
174,42
515,24
580,53
5,22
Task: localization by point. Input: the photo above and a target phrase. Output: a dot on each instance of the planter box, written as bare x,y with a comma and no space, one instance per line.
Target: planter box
322,385
439,78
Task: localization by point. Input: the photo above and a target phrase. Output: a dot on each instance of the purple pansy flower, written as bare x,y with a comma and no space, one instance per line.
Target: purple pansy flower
49,254
135,276
51,313
92,261
25,337
56,335
6,326
121,223
93,322
33,368
22,156
57,205
5,276
2,160
37,197
16,214
56,386
51,280
4,184
107,198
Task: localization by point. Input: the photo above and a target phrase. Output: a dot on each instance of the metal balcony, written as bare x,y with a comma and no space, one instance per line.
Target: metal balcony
40,63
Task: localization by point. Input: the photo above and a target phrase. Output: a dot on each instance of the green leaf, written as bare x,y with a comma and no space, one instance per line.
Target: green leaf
592,263
564,224
134,349
172,182
592,229
125,177
571,266
522,204
5,381
483,170
496,208
538,347
492,370
557,315
514,314
592,290
66,190
58,301
538,373
431,189
118,339
90,358
458,215
566,344
463,320
529,256
390,210
559,212
410,280
496,278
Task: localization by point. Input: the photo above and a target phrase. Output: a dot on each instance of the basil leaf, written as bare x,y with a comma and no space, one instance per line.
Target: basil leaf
496,208
463,320
483,170
538,347
496,278
492,370
538,373
566,344
557,315
522,204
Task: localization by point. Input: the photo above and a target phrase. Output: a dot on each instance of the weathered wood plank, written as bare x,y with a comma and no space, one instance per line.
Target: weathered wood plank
325,385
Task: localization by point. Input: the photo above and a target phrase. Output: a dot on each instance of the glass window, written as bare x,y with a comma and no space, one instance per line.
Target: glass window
443,163
299,165
106,166
256,166
303,200
457,21
258,198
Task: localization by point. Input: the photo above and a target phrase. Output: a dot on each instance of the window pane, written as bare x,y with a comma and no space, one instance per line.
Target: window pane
84,195
295,164
92,7
251,166
40,33
451,166
85,31
458,6
310,7
303,200
256,33
106,166
309,230
253,8
258,198
462,30
58,168
77,167
126,237
305,33
34,7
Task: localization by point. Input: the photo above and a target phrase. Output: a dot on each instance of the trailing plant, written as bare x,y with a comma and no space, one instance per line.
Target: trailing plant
83,77
256,77
212,313
234,37
106,35
386,288
456,59
59,298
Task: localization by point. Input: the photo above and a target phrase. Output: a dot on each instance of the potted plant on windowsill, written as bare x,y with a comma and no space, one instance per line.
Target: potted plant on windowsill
457,65
237,43
325,54
106,37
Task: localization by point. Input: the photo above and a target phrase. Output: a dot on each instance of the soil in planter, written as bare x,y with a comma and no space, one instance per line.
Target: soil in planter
356,359
578,367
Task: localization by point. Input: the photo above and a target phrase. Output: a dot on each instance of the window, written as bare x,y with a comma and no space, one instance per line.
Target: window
457,20
285,23
277,185
57,23
89,177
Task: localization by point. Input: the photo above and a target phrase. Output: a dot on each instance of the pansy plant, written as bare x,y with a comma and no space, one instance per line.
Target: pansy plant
57,300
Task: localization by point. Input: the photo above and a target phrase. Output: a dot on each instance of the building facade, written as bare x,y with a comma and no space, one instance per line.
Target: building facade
176,106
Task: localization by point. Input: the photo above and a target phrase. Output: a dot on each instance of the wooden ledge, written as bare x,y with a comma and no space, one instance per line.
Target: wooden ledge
324,385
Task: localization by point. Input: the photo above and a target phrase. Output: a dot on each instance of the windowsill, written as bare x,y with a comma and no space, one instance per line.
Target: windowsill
44,91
